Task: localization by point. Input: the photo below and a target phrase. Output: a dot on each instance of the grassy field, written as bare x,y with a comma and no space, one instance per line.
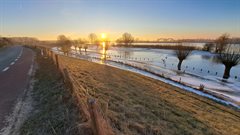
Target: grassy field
135,104
54,108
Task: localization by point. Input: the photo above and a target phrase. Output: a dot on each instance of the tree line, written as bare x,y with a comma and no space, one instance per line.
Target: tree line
66,43
226,53
225,49
5,41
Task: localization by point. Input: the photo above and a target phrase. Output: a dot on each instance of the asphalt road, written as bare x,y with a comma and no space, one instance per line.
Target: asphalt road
15,68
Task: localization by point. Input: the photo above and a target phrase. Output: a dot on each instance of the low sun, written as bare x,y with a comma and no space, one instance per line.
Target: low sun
103,35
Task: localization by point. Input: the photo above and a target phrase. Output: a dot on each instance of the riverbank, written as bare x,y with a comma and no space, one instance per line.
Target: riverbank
196,71
135,104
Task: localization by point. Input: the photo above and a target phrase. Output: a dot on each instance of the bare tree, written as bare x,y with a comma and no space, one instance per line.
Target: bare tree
208,47
126,38
75,44
221,43
85,47
64,43
81,43
230,57
98,43
182,52
93,38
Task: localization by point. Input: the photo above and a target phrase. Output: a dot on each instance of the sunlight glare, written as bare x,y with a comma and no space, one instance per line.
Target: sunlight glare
103,35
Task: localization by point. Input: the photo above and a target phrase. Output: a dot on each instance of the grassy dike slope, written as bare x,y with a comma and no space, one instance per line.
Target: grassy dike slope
140,105
54,109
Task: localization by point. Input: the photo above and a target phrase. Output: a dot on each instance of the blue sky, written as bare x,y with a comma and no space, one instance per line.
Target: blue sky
146,19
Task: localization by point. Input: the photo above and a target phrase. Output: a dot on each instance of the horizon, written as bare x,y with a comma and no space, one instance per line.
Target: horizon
119,67
146,20
135,40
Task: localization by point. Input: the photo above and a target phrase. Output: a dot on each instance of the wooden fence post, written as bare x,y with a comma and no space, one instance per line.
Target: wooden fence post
51,53
48,52
56,56
100,126
91,104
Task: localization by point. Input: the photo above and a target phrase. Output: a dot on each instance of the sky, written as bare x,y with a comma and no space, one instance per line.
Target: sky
144,19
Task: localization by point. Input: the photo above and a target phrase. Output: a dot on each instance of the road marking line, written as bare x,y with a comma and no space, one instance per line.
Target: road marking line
12,63
20,54
16,59
5,69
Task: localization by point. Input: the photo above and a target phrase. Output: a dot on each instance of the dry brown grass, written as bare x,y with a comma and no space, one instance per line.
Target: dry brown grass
55,110
135,104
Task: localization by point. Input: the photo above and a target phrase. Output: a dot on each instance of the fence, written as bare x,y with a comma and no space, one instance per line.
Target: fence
165,64
88,106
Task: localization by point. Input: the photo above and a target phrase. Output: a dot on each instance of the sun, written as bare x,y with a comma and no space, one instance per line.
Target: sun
103,35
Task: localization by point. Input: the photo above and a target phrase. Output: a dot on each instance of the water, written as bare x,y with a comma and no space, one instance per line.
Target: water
199,62
198,69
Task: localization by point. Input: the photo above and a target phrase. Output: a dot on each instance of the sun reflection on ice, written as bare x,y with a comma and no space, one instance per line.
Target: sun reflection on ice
103,57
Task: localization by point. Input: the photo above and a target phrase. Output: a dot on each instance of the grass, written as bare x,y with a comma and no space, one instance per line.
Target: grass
135,104
54,108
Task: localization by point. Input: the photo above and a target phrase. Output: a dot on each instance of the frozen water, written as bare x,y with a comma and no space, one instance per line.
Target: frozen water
197,70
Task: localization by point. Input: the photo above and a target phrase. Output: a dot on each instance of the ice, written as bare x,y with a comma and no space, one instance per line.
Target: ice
161,64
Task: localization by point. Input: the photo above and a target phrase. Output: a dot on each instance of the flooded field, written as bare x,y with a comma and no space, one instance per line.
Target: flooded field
198,69
166,58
